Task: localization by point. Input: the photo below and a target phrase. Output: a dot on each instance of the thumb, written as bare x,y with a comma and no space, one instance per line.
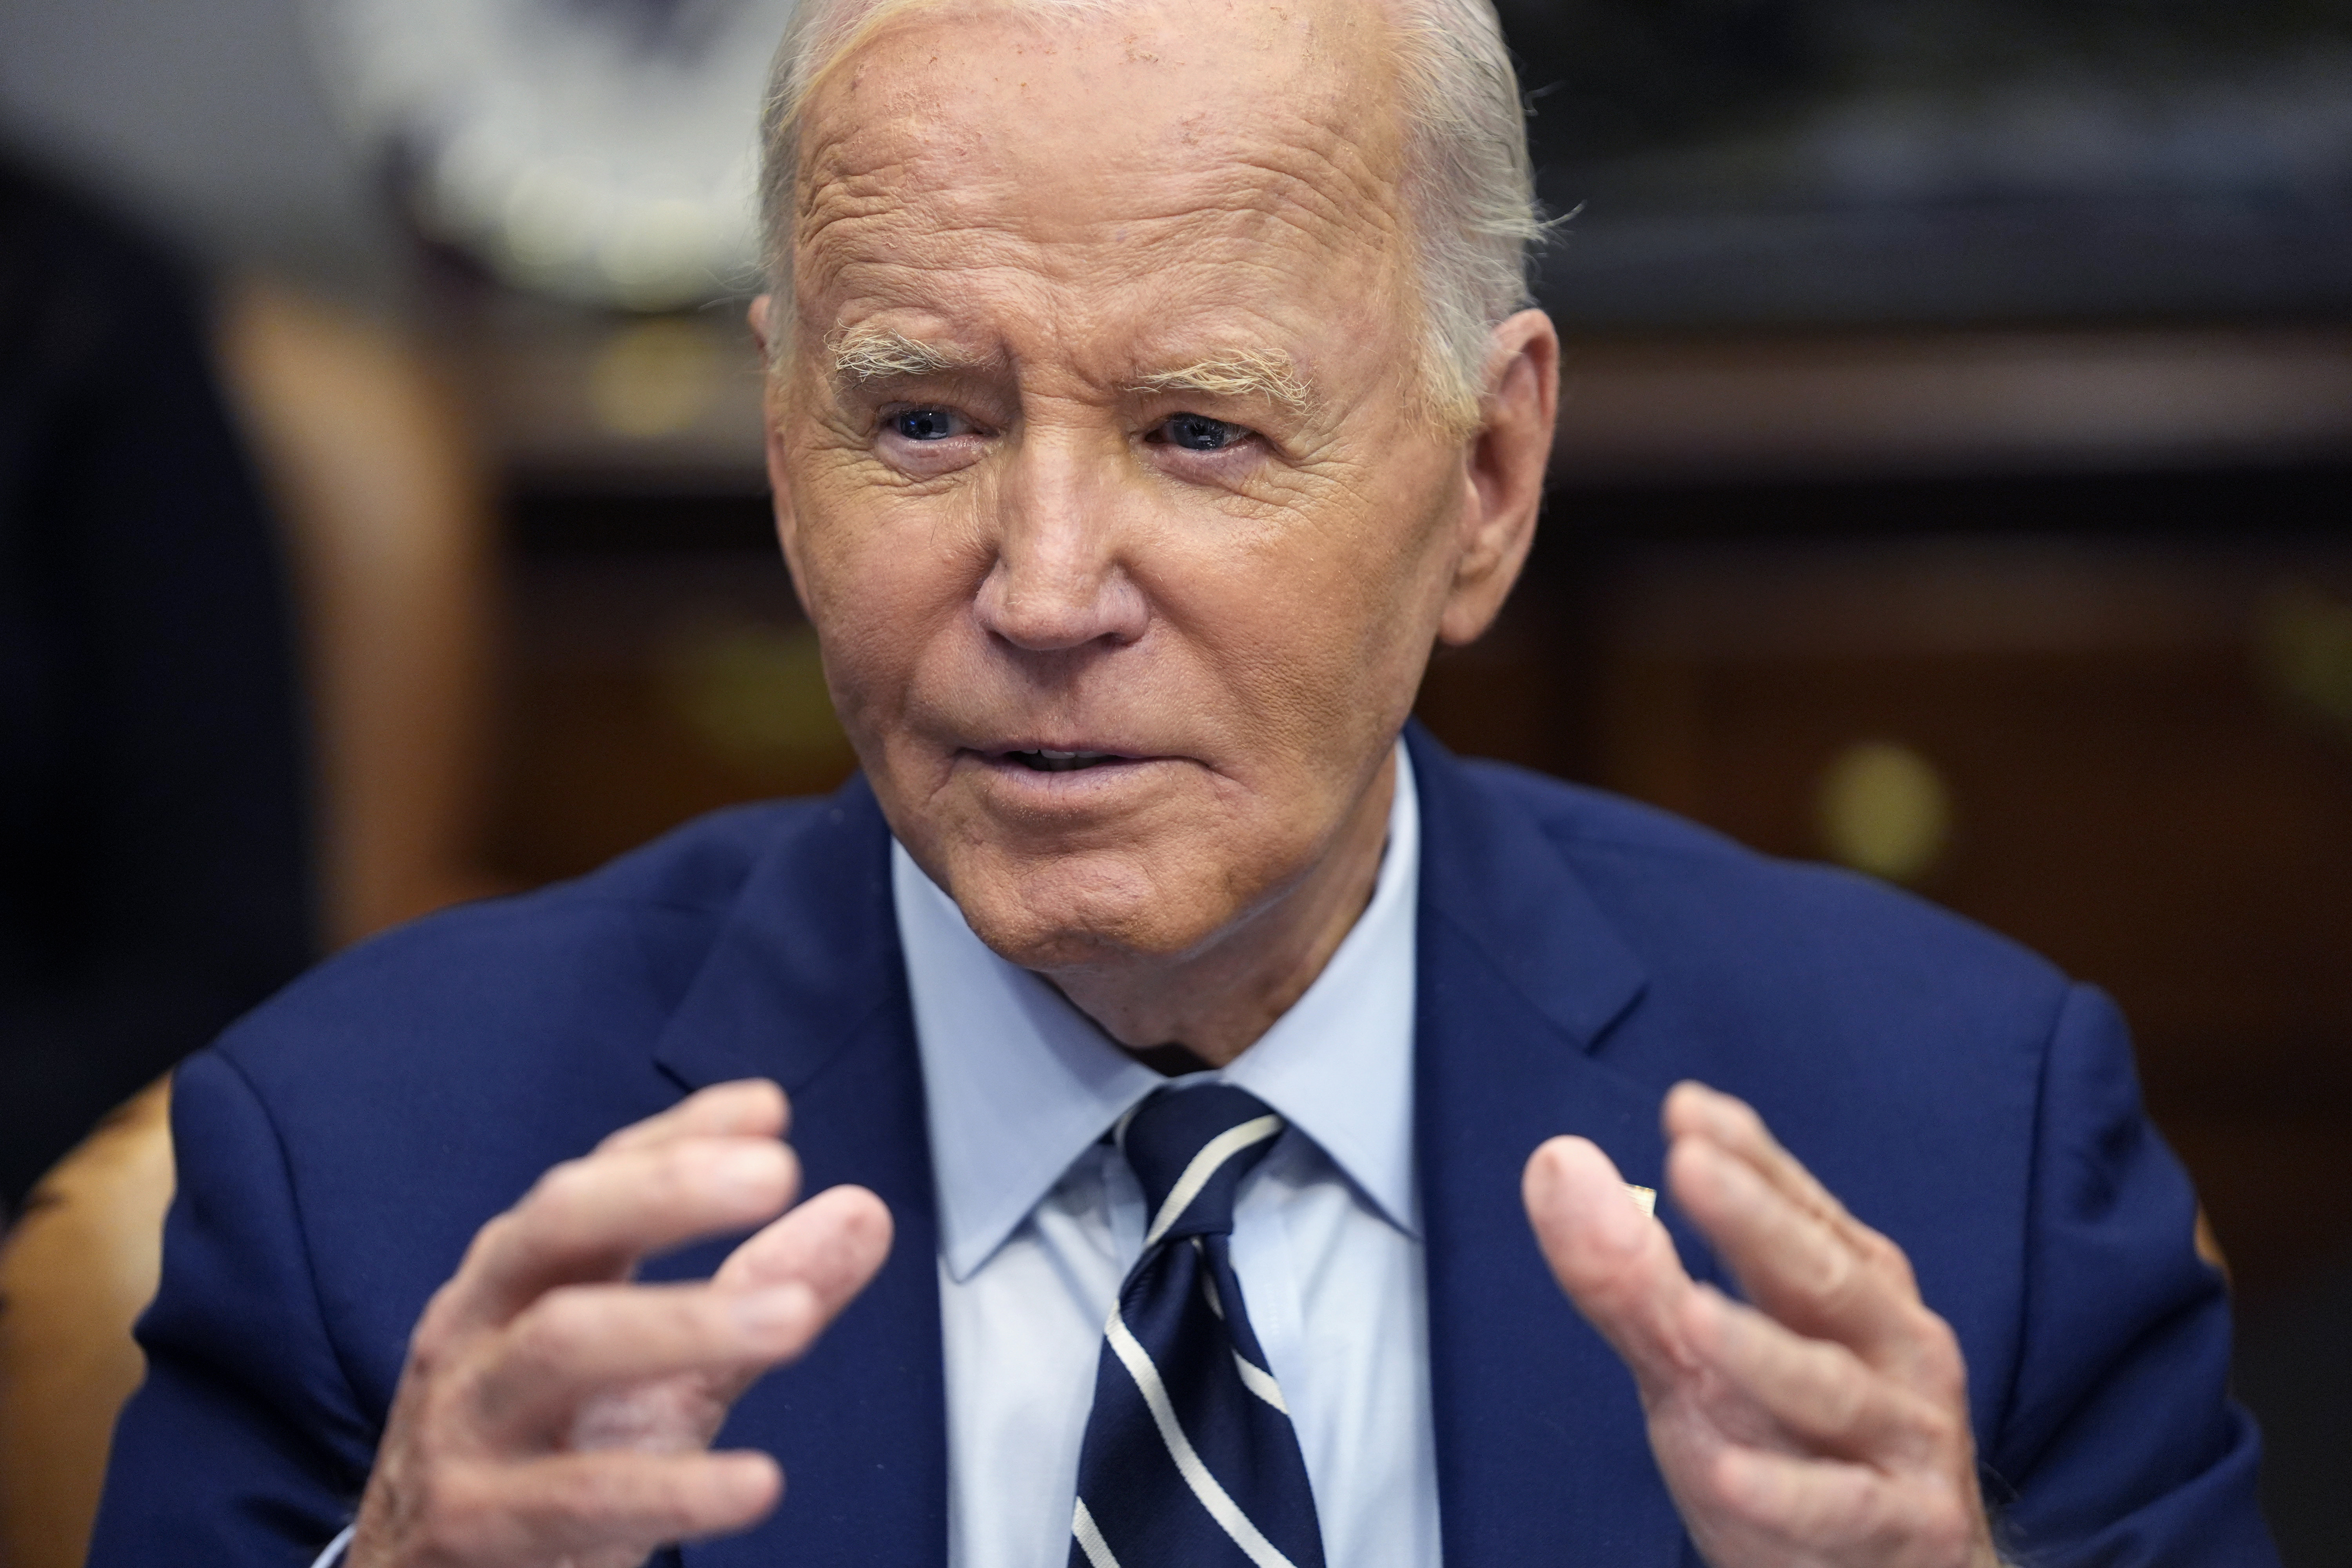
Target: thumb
1616,1263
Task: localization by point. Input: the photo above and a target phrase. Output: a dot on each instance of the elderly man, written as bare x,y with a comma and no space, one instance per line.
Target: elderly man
1180,1053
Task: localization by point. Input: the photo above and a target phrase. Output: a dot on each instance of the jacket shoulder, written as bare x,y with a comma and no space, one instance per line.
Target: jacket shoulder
603,957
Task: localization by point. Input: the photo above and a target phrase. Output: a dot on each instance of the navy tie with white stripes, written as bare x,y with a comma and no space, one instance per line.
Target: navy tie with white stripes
1189,1459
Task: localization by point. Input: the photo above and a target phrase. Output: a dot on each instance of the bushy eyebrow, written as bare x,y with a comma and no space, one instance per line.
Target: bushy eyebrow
1243,374
865,353
868,353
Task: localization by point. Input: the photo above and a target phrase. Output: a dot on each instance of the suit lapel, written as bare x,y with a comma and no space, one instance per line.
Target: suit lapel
807,985
1541,1450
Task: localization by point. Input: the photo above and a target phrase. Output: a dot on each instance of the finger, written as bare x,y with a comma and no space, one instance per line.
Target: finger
602,1504
1617,1264
1792,1264
833,1243
593,1219
1694,1108
580,1340
829,1246
745,1107
1819,1393
1827,1511
1816,1506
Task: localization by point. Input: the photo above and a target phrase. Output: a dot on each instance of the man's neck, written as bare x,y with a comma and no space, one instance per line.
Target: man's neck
1215,1002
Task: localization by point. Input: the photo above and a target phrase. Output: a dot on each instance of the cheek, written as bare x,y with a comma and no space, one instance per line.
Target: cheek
1319,622
885,580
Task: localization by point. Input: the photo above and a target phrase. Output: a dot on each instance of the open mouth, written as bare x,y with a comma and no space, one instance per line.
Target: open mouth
1050,761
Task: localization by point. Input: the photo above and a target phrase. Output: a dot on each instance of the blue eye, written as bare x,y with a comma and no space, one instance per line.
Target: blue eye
924,423
1199,433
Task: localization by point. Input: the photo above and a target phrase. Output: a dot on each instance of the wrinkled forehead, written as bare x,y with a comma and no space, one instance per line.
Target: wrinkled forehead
1221,131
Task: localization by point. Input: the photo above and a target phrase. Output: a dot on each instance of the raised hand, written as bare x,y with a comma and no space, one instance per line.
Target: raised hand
552,1411
1827,1423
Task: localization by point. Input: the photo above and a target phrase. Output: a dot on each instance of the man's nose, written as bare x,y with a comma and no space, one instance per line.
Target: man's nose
1061,579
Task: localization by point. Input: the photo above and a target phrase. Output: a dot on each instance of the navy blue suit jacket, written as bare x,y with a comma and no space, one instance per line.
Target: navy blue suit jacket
1578,955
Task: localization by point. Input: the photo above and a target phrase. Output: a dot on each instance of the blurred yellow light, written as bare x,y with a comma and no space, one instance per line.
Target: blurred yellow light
1885,809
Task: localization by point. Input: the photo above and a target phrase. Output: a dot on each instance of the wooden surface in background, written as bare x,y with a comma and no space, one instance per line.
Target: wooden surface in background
647,688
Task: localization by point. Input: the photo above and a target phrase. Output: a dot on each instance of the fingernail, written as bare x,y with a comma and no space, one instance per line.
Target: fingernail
778,1307
1614,1224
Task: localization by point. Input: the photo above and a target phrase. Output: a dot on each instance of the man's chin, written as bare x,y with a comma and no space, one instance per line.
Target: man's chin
1084,912
1132,861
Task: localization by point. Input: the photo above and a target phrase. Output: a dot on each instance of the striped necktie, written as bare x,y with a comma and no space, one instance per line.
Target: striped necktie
1190,1459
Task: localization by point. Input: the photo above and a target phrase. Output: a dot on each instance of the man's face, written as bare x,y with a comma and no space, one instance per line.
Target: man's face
1101,432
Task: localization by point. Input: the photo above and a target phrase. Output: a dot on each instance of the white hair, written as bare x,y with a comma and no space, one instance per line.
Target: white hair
1468,187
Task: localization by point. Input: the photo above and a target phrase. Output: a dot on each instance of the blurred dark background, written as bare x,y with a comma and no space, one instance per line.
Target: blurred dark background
1951,479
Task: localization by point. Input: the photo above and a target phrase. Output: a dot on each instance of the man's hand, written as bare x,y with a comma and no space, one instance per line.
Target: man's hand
1828,1423
553,1414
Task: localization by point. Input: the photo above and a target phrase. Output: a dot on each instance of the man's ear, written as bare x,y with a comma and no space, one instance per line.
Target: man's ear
762,307
1502,472
780,490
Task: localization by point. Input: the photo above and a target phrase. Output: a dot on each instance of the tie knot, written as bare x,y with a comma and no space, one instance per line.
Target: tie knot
1190,1148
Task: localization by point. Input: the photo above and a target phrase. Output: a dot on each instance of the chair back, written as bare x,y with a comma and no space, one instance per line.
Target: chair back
76,1271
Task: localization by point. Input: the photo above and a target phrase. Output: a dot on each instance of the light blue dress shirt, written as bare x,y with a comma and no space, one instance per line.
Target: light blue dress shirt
1040,1221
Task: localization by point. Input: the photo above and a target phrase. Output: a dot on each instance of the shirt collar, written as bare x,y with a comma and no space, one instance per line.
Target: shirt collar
1018,1083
